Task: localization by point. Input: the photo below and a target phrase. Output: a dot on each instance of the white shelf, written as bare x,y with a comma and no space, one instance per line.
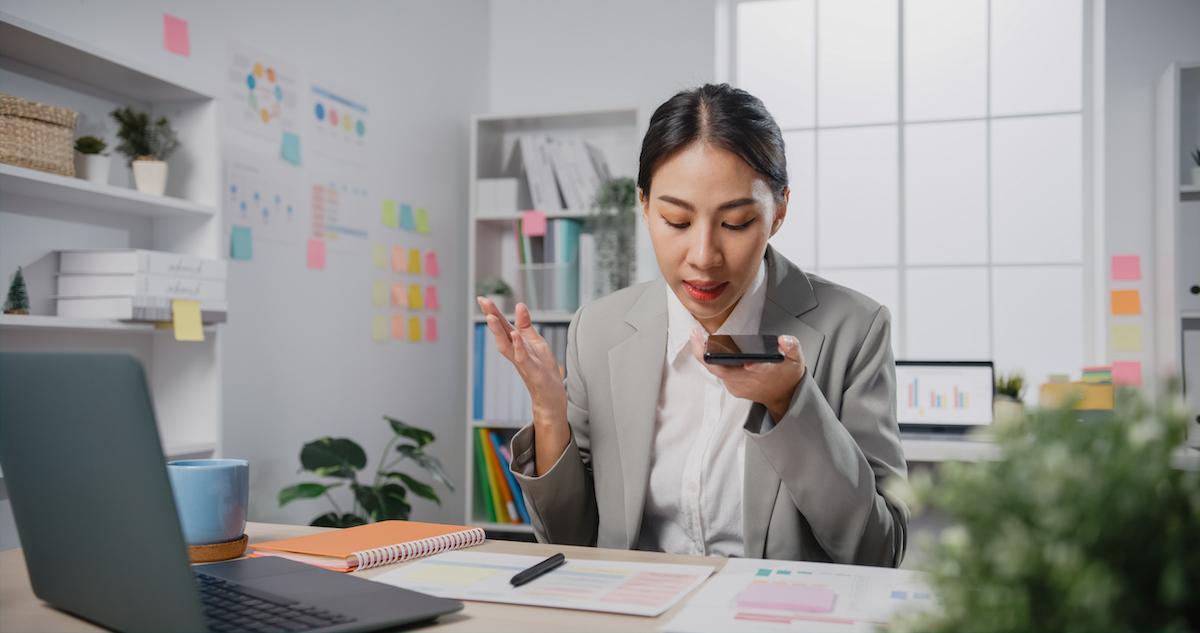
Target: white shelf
538,317
523,528
84,194
1189,189
928,450
47,322
497,424
569,214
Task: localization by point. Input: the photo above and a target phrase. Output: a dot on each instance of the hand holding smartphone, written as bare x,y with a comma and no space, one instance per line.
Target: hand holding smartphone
739,349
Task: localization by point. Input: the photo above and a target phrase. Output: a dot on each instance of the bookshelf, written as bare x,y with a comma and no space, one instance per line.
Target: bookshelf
41,213
492,253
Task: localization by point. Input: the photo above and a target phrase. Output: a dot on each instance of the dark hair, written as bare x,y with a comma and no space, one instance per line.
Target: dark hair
724,116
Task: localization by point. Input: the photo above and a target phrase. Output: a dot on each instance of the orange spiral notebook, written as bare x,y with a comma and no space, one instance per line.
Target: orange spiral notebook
371,545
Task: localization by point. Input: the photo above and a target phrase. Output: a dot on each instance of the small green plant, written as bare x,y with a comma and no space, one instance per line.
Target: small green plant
613,221
386,497
141,139
1196,156
17,301
1011,385
90,145
493,286
1080,525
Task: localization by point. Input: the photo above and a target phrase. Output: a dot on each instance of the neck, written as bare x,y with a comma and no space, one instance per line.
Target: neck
712,324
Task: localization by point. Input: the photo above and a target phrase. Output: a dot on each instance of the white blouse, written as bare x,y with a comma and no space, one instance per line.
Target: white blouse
694,498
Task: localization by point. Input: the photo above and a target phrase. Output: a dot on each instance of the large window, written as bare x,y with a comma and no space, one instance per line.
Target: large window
937,162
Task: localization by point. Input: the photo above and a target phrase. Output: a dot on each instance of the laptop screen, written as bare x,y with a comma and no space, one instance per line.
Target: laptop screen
944,393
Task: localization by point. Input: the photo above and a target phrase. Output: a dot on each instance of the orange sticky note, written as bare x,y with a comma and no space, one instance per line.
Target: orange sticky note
431,298
431,329
398,298
533,223
398,264
1126,267
1127,372
316,254
398,327
185,314
1126,302
175,35
415,301
431,263
414,329
414,262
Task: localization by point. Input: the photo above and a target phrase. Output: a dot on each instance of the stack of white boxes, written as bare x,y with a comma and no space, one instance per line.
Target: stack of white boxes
138,285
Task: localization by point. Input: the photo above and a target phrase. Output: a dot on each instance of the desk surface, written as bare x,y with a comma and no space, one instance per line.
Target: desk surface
20,610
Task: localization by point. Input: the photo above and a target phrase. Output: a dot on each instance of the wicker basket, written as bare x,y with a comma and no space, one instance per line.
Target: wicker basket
37,136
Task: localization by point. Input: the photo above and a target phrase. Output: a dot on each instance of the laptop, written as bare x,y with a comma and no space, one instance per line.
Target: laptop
97,520
941,397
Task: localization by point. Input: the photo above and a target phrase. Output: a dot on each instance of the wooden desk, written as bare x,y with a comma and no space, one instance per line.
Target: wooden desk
20,610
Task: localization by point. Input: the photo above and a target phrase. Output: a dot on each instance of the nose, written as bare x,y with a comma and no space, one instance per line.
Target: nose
704,250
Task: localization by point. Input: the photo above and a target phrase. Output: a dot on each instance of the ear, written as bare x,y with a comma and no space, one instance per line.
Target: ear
644,200
780,211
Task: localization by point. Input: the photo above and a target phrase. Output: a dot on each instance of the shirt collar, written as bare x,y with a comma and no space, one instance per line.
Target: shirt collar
745,318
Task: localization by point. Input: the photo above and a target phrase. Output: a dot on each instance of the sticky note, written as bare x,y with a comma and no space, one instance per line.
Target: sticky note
415,301
1127,372
431,298
414,262
389,213
379,328
175,35
533,224
422,220
241,243
316,254
1125,338
414,329
406,218
431,329
398,327
431,264
289,150
185,317
399,264
379,256
1126,267
379,293
1126,302
399,299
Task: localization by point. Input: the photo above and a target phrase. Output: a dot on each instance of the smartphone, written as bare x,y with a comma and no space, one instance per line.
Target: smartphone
738,349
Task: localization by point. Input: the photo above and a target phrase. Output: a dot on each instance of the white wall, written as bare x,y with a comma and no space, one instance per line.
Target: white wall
1141,38
564,55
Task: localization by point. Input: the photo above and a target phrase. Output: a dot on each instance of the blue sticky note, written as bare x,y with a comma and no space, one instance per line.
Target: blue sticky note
241,243
290,150
407,223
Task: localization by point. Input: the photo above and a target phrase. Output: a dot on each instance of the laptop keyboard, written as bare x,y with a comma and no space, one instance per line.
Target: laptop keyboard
229,607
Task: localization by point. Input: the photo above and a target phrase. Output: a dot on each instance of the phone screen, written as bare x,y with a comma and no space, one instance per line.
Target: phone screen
735,349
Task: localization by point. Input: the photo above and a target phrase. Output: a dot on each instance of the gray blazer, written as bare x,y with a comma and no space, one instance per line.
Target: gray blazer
814,482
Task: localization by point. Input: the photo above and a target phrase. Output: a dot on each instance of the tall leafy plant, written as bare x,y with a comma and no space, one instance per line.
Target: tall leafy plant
613,222
387,496
142,139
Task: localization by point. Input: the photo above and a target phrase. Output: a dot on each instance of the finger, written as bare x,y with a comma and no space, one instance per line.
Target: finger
490,308
789,346
520,354
524,320
503,343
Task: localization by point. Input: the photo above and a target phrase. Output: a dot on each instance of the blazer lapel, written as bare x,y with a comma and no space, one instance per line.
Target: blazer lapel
789,294
635,374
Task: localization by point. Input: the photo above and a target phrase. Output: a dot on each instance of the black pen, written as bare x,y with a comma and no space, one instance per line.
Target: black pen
538,570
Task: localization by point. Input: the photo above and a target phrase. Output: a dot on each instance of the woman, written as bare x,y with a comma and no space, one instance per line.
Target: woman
643,445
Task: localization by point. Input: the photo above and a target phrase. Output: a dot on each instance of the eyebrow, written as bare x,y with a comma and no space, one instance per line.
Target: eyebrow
726,206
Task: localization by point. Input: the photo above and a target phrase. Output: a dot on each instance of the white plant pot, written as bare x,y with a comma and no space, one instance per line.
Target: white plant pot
150,176
501,302
1196,175
92,167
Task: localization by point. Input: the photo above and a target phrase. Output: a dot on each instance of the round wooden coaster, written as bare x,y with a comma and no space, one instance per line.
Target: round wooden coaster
218,551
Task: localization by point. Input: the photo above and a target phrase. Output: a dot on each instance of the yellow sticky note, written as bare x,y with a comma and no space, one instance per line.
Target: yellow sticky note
414,261
379,293
415,300
414,329
379,256
379,328
1126,302
185,314
422,220
1125,338
388,213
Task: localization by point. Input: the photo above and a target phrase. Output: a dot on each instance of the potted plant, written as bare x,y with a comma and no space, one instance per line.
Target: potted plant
613,222
341,459
91,161
1009,389
17,301
147,145
1196,167
495,290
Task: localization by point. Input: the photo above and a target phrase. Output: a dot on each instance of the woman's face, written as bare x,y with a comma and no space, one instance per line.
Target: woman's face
709,215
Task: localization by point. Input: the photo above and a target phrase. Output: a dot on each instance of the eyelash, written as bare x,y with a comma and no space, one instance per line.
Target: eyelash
731,227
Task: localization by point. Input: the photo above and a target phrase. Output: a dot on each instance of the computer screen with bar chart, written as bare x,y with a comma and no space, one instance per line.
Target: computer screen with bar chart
944,394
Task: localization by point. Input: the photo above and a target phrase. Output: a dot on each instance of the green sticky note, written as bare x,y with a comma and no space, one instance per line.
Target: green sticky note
389,213
422,220
290,149
241,243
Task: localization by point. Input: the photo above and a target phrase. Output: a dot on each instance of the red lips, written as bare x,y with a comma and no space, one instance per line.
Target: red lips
701,290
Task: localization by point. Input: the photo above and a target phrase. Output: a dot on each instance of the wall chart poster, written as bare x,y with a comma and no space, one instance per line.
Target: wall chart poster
340,125
261,195
340,210
263,95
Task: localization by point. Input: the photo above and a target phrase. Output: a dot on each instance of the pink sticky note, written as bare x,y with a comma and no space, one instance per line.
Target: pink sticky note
316,254
533,224
1127,372
431,298
431,264
1126,267
175,35
399,264
431,329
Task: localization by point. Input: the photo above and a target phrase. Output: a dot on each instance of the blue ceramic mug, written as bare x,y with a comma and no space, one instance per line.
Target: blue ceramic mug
212,496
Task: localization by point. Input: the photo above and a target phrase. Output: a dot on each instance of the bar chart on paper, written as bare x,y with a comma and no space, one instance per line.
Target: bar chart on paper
931,394
763,595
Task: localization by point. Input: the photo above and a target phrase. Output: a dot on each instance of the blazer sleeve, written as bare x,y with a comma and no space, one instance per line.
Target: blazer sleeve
835,468
562,501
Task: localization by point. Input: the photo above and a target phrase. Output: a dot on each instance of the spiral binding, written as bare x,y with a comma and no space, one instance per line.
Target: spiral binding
420,548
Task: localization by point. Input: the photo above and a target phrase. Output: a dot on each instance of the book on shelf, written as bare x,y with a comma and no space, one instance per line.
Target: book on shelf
140,285
130,261
134,309
513,487
501,497
558,172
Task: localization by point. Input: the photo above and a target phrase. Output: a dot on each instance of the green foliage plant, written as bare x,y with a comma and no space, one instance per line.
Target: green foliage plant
386,497
142,139
1011,385
493,286
612,222
90,145
1081,525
